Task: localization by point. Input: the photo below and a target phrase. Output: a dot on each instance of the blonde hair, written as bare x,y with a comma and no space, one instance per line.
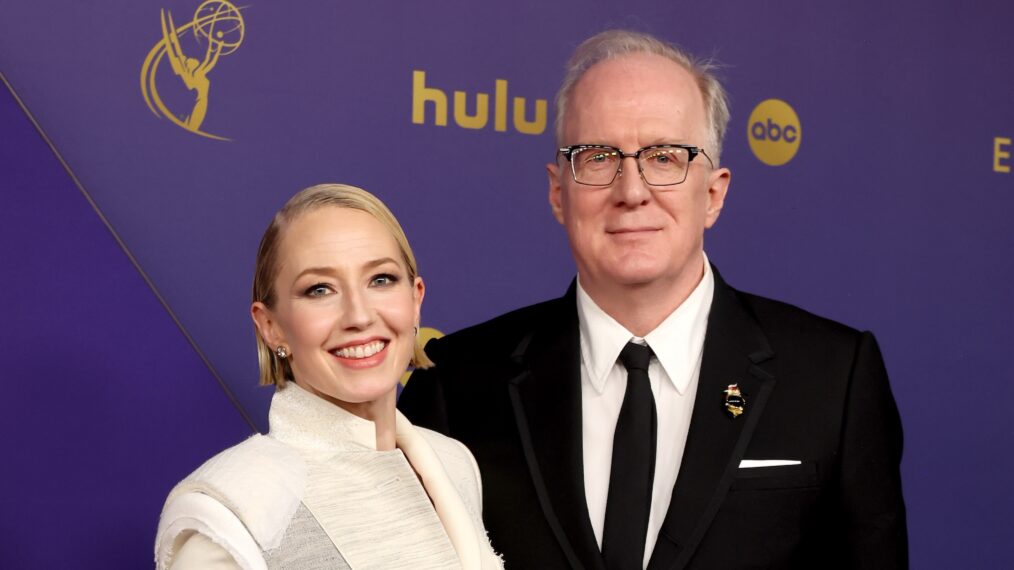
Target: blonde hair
274,370
612,44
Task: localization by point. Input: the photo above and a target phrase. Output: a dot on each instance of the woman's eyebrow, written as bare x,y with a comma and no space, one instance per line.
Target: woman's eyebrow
331,271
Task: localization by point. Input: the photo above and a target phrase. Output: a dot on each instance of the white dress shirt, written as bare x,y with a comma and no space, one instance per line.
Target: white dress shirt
678,343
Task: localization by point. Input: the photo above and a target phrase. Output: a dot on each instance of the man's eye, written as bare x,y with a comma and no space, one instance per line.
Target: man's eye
318,290
665,158
598,157
660,156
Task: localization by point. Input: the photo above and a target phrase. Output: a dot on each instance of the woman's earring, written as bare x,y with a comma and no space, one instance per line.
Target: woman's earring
416,330
282,352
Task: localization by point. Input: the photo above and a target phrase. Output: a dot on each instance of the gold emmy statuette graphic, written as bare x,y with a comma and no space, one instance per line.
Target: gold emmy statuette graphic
424,335
218,28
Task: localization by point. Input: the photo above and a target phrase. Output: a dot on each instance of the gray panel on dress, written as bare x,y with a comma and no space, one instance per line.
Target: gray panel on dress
305,546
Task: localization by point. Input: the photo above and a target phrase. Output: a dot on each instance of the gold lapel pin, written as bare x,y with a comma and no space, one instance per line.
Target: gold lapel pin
735,403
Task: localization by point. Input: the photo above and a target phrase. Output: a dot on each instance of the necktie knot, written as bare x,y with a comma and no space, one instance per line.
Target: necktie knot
635,356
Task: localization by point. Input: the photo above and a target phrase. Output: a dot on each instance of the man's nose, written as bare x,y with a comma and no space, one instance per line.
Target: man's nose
630,187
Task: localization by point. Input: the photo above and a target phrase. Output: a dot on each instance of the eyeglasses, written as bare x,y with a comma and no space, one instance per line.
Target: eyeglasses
658,165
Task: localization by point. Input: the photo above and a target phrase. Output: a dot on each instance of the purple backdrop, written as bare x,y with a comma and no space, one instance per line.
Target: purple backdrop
892,216
105,405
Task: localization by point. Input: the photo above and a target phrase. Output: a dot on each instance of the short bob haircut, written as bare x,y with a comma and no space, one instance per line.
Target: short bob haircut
274,370
612,44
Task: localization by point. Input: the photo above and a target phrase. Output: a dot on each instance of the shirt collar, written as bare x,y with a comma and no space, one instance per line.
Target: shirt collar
308,422
677,341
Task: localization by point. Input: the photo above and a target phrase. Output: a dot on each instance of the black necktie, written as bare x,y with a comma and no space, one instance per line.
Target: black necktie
633,467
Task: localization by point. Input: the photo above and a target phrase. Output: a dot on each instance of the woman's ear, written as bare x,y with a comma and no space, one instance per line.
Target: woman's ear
266,325
418,292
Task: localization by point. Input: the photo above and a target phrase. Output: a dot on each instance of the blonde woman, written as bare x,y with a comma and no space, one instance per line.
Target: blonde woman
341,480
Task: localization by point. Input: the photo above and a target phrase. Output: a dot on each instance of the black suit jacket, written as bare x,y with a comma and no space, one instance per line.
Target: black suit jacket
816,391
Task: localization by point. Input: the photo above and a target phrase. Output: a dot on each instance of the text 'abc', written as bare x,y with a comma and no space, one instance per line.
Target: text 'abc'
774,132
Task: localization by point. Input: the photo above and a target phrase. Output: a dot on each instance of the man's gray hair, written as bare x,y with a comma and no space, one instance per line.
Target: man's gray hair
615,43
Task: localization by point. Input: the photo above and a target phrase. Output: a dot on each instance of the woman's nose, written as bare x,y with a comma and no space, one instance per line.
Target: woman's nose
357,313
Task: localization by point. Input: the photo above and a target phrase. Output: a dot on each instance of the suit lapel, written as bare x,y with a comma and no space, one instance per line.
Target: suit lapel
546,398
735,352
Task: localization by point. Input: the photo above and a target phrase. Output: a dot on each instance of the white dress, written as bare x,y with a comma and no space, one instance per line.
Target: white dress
315,493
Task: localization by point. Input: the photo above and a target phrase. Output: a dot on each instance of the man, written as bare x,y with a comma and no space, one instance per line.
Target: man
769,436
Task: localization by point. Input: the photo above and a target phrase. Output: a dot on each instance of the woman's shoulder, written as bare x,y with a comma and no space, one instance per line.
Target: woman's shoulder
253,470
260,482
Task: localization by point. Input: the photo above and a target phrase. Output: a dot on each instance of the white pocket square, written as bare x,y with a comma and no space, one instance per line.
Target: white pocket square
749,463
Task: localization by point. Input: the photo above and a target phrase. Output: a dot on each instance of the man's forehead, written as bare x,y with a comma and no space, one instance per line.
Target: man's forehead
643,92
627,73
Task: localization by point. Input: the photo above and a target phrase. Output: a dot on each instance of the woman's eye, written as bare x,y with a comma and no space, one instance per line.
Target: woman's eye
383,280
318,290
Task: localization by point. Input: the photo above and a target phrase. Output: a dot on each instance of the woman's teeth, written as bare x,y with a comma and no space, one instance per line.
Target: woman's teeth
361,351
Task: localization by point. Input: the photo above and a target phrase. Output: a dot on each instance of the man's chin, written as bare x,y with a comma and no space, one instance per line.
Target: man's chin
634,271
637,277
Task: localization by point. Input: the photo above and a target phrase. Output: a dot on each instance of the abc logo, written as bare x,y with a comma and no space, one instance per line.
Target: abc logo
774,132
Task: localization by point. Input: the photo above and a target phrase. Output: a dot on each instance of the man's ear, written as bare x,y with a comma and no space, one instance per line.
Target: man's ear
555,191
266,325
718,186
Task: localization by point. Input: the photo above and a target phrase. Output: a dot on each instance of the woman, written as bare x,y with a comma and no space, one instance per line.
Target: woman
342,480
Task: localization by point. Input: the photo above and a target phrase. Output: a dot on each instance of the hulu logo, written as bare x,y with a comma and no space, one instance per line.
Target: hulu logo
479,105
